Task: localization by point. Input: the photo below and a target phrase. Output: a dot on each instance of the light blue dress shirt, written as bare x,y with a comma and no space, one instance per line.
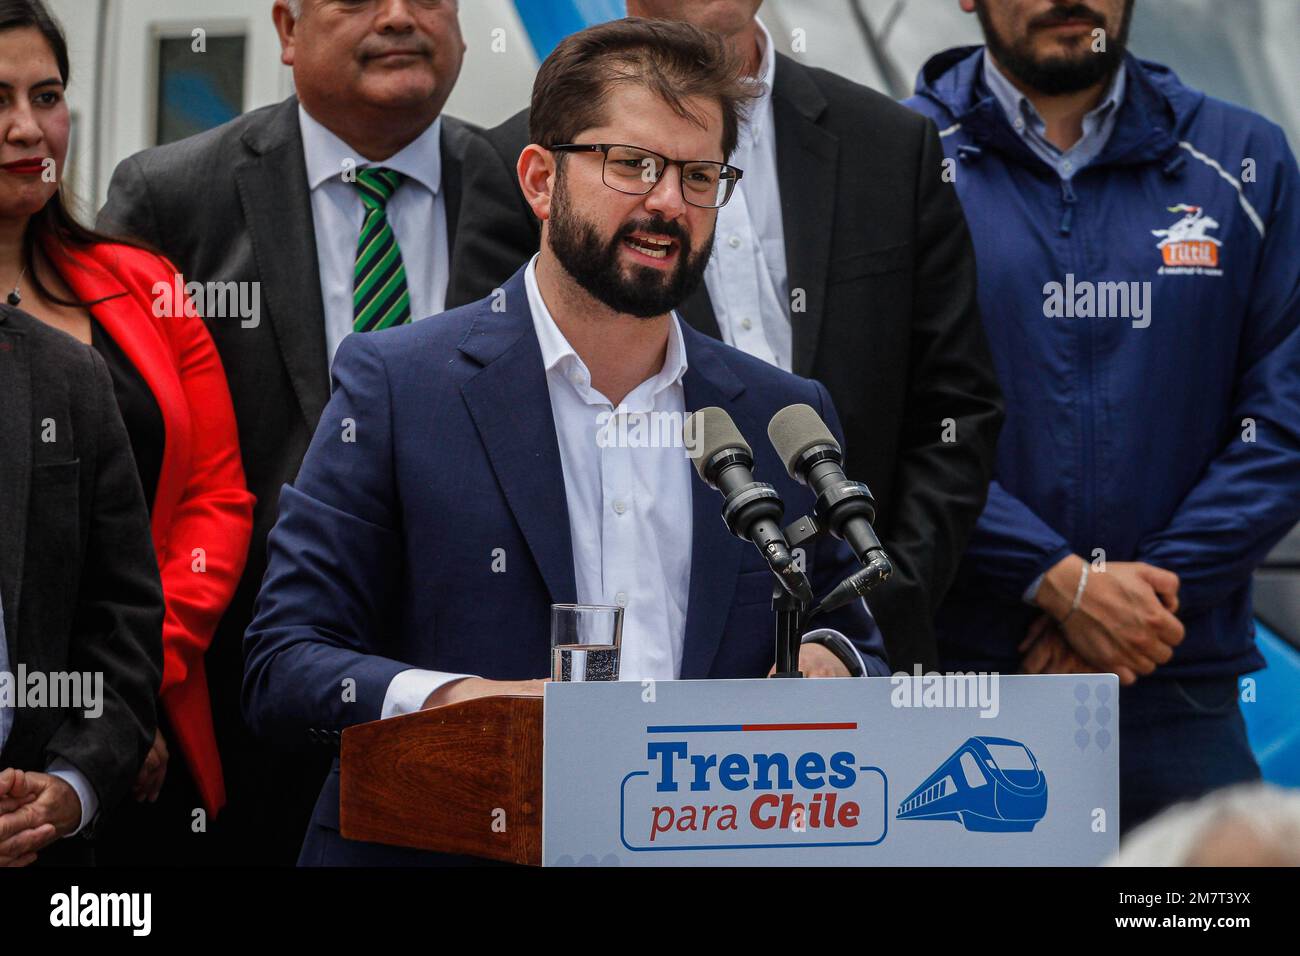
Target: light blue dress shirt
1026,120
417,214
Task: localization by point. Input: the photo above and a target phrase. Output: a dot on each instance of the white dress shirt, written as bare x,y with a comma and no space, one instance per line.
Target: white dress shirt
416,212
746,276
59,767
630,517
630,508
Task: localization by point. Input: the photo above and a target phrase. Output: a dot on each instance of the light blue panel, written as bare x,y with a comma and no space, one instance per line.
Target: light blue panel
1017,771
1273,717
549,21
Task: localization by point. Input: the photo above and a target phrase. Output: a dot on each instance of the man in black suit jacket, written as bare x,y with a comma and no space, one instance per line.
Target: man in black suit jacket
79,594
881,285
235,205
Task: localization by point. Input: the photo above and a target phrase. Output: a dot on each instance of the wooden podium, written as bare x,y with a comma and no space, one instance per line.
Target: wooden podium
465,778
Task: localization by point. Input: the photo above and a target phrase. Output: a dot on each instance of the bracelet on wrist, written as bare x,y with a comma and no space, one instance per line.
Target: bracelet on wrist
1078,592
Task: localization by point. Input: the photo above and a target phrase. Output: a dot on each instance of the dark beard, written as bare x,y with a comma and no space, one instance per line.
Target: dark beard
594,265
1056,75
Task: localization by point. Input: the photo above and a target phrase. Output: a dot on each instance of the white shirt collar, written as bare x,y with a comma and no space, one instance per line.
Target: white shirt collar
420,159
558,355
761,108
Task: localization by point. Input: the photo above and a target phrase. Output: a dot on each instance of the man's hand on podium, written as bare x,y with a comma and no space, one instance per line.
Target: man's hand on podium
469,688
817,661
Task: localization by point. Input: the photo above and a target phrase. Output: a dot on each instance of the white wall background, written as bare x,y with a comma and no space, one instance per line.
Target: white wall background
1247,51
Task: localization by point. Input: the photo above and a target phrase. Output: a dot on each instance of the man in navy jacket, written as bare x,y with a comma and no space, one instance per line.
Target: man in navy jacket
1137,247
474,468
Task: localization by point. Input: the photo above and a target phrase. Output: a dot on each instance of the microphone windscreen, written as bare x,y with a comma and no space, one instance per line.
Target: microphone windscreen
709,431
795,429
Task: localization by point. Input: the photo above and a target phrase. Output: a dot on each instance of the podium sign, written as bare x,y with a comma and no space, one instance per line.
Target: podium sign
933,770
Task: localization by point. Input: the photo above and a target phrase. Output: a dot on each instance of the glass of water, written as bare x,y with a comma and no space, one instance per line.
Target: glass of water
585,641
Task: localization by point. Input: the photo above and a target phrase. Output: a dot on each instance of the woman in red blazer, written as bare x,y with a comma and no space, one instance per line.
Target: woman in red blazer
172,392
202,513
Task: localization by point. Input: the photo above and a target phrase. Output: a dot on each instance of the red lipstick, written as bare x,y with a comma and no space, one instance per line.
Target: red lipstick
25,167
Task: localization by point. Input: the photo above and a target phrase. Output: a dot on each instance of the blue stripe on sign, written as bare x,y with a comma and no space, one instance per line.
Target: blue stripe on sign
547,22
695,729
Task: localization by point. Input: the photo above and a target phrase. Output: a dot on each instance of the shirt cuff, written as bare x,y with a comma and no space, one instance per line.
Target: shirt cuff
74,778
825,632
1031,592
408,691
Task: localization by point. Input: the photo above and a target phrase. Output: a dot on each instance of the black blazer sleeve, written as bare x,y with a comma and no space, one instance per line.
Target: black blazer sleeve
953,411
497,232
128,211
117,621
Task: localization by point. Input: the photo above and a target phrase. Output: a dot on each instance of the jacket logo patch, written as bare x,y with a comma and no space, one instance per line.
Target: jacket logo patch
1185,246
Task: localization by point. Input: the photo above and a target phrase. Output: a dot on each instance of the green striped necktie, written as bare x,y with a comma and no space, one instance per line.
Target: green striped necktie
380,298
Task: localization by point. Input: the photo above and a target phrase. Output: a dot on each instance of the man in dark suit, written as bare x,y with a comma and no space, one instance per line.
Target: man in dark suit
845,258
285,201
469,472
81,603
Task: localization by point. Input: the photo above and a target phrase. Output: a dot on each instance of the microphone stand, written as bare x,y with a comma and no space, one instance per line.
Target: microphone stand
789,610
789,631
792,614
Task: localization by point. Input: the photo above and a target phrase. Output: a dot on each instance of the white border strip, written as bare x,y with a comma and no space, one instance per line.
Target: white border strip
1232,181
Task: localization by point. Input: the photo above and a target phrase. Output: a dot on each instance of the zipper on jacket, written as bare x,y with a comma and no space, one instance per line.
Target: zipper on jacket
1087,516
1067,215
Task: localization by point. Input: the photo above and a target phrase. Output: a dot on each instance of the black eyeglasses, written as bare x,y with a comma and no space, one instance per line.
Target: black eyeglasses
636,171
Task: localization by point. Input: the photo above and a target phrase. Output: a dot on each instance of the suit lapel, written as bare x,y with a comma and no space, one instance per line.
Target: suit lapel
277,207
806,161
15,471
715,552
511,408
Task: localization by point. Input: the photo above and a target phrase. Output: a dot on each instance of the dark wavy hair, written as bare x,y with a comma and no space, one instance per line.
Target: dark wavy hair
55,221
672,58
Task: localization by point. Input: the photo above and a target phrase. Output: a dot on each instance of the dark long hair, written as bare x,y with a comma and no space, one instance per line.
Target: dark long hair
55,221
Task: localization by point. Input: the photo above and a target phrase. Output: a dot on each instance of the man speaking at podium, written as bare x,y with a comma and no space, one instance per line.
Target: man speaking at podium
463,476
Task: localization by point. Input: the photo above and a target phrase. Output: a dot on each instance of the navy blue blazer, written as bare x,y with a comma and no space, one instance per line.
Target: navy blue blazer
436,454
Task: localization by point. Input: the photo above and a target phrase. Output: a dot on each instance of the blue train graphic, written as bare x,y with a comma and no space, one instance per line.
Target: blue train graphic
988,784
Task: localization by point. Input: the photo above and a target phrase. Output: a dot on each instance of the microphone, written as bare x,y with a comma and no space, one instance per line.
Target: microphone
813,457
752,510
855,586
